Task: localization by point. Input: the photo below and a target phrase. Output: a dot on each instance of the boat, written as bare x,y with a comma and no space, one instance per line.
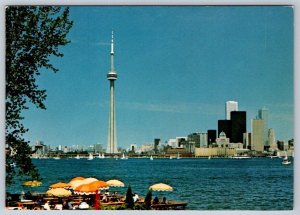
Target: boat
124,157
178,156
91,157
101,156
209,157
77,157
241,157
57,157
151,158
285,160
171,157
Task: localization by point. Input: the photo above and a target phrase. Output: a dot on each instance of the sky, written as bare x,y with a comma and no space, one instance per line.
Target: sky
176,66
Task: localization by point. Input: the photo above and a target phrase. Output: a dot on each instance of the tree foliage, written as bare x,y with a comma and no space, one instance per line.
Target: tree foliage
33,34
129,198
148,200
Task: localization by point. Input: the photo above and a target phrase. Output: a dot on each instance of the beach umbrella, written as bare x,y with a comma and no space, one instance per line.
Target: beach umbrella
77,178
160,187
88,180
91,188
75,183
59,185
59,192
33,183
115,183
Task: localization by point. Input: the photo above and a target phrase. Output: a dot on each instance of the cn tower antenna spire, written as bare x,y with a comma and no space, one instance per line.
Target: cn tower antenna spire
112,42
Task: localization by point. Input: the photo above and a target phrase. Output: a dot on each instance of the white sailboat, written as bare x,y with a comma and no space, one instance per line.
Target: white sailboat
77,157
124,157
151,158
171,157
178,156
101,156
57,157
209,157
285,160
91,157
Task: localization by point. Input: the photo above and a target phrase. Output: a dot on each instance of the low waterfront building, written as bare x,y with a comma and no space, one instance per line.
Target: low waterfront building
222,141
214,152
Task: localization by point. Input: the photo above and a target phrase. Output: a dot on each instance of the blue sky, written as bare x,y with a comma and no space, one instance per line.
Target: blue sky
177,66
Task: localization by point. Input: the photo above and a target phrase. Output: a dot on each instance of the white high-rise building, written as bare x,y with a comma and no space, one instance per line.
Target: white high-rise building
230,106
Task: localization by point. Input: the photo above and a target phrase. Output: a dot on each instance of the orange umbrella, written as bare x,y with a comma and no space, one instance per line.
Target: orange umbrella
77,178
91,188
99,185
59,185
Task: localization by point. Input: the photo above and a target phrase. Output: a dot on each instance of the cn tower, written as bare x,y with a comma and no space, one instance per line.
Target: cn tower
112,76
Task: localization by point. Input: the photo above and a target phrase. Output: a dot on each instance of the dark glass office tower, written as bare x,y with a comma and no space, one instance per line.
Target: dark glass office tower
238,126
225,126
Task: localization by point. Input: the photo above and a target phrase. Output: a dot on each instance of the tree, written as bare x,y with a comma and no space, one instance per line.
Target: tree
148,200
33,34
129,198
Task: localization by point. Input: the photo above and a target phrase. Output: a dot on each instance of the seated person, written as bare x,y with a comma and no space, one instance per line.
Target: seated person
135,197
155,200
47,206
104,198
83,205
58,207
164,201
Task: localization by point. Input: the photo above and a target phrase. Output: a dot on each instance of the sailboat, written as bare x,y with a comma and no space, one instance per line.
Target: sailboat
57,157
101,156
285,160
124,157
178,156
91,157
171,157
77,157
151,158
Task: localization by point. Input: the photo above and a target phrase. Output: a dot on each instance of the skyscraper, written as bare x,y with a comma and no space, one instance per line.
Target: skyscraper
272,140
264,115
257,142
230,106
112,76
238,126
224,126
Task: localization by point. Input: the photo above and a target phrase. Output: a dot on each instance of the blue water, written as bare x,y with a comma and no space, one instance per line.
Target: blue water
215,184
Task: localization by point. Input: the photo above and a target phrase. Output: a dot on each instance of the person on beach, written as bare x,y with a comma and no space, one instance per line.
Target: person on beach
164,201
135,197
47,206
155,200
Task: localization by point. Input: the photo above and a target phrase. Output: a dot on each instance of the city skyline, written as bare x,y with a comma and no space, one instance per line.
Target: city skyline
173,81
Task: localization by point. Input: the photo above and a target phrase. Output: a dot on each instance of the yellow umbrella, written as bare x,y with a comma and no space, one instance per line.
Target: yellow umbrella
115,183
88,180
59,192
33,183
59,185
161,187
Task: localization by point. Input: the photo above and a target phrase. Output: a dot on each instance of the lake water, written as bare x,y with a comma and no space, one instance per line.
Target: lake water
215,184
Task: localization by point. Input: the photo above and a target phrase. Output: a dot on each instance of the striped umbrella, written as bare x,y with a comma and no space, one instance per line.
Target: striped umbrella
59,192
91,188
115,183
59,185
